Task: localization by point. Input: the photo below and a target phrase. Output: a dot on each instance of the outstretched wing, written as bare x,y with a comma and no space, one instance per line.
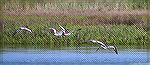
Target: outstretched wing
62,28
101,43
114,48
52,30
27,29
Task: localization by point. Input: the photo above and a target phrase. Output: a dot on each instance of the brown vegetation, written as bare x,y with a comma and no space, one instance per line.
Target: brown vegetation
98,13
76,12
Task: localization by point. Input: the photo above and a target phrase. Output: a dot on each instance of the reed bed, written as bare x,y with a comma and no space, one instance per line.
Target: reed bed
85,7
128,36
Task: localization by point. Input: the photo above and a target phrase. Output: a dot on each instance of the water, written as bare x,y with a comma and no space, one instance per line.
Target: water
73,57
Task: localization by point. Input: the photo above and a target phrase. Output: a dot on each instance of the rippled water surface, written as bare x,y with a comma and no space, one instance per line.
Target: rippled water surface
73,57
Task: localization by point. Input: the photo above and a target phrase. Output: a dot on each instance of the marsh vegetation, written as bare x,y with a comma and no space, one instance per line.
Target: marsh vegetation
122,23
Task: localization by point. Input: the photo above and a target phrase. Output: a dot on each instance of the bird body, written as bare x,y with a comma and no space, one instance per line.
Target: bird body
66,33
22,28
59,33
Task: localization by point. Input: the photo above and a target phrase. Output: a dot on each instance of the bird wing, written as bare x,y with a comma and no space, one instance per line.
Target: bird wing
27,29
104,47
101,43
52,30
114,48
66,32
62,28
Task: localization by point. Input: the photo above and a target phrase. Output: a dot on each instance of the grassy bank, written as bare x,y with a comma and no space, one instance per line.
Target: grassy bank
124,35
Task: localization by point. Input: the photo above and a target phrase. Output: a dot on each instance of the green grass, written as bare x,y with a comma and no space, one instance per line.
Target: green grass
125,36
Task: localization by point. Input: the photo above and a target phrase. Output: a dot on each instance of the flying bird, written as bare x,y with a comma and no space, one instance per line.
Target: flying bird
56,33
104,46
22,28
62,32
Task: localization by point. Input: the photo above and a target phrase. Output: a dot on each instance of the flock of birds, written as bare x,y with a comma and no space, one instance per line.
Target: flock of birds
65,32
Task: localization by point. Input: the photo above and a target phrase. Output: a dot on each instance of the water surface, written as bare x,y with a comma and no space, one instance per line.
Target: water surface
73,57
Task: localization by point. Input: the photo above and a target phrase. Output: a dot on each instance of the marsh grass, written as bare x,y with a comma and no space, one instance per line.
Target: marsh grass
123,35
121,23
69,7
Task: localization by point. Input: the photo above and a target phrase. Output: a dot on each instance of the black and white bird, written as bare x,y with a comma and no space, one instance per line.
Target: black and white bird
104,46
56,33
62,32
66,32
22,28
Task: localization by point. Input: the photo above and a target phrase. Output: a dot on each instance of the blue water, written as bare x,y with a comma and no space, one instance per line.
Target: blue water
74,57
